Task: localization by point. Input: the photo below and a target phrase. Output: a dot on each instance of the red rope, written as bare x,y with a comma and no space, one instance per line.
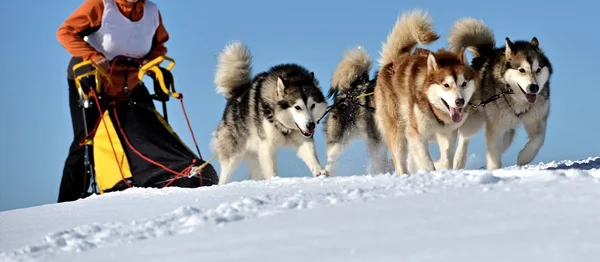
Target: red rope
110,140
93,131
177,174
93,93
191,132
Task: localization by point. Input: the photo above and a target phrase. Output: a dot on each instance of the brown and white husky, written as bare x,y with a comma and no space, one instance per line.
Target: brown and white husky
422,96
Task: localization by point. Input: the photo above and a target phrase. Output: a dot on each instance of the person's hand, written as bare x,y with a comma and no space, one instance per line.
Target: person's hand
104,64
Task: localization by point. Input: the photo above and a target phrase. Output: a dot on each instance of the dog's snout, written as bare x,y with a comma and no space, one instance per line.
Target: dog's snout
311,126
534,88
460,102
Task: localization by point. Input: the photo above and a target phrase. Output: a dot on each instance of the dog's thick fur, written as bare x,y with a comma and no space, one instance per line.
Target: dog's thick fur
520,67
276,108
421,96
353,118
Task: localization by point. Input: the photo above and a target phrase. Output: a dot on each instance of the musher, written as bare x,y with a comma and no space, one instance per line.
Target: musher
121,36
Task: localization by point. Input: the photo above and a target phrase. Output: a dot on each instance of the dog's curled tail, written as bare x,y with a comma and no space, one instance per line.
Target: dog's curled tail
353,67
473,35
411,28
234,69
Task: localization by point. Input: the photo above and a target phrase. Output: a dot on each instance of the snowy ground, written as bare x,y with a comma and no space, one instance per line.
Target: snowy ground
545,212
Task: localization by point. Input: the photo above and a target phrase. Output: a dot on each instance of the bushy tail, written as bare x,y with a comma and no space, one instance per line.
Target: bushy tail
234,69
354,65
411,28
473,35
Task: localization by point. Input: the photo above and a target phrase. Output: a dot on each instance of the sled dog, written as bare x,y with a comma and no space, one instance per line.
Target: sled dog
276,108
518,75
352,115
422,96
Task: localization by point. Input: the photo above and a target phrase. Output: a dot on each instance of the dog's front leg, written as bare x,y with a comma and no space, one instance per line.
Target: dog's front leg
420,150
474,123
447,143
460,156
308,153
254,167
493,141
536,131
267,157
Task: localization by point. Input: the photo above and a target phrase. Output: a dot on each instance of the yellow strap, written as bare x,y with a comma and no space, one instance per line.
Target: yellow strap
198,168
364,95
154,67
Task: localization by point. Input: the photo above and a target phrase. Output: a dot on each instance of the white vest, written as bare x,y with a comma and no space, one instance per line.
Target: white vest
120,36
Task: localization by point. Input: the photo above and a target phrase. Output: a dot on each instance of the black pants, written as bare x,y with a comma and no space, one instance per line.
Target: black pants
75,181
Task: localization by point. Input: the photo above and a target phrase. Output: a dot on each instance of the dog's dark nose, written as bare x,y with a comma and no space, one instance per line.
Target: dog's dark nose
460,102
310,126
534,88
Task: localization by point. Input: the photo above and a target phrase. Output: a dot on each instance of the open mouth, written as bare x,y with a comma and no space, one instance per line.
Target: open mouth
455,112
531,98
305,133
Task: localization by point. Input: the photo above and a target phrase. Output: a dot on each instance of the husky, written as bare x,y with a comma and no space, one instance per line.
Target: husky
421,96
276,108
352,115
515,89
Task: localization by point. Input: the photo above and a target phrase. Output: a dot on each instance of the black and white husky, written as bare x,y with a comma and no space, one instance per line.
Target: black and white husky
276,108
520,74
352,116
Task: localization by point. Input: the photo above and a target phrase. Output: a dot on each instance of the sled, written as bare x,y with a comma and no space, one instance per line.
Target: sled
132,144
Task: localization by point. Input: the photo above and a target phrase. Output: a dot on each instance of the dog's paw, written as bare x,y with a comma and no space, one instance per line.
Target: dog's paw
524,158
321,173
440,165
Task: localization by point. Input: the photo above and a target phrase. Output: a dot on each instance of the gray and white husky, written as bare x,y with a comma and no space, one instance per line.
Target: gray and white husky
518,76
353,115
276,108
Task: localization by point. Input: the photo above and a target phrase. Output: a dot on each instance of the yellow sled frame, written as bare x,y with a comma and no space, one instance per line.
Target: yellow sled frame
152,66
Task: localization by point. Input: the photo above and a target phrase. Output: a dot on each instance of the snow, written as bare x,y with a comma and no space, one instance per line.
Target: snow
543,212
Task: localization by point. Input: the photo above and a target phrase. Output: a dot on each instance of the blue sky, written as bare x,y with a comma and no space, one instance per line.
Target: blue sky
36,129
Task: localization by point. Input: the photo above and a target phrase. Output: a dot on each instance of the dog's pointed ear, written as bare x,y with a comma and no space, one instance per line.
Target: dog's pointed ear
509,48
432,64
462,56
314,79
535,42
280,86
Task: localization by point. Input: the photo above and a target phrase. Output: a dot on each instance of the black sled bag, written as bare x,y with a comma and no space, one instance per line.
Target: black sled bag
133,146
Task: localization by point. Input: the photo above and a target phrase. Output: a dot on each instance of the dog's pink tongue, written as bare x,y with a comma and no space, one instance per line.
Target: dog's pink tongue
456,114
531,98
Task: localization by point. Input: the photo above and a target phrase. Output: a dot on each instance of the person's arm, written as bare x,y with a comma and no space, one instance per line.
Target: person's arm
84,21
161,36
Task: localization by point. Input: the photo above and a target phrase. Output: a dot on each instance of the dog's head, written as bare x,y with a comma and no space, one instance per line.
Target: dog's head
450,82
301,104
527,70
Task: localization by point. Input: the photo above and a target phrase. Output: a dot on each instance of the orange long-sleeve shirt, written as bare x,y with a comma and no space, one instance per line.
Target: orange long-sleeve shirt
88,18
